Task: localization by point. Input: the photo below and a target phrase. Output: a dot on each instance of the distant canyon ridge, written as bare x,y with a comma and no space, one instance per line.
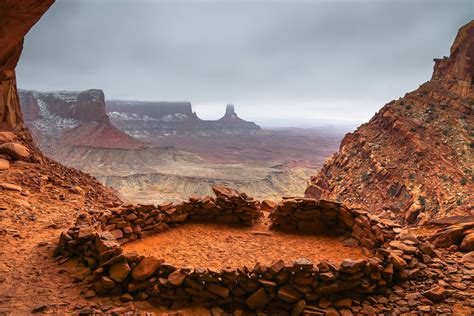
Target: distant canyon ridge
156,151
50,114
146,120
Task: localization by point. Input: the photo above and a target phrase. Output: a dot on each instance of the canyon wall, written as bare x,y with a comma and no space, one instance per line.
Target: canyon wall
457,71
16,19
149,120
413,160
68,118
84,106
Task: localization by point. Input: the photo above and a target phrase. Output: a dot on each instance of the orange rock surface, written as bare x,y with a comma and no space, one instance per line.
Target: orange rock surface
413,160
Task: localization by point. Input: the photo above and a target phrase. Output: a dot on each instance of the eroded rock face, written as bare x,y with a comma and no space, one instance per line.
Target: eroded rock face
12,32
148,120
68,118
81,106
457,70
412,161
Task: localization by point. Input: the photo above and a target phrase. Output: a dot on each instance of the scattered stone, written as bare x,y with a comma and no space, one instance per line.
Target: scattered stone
436,294
4,164
467,243
14,150
459,286
126,298
7,137
424,308
89,294
10,187
39,308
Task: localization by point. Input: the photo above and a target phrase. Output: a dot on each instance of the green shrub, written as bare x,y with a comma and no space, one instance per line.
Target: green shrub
365,177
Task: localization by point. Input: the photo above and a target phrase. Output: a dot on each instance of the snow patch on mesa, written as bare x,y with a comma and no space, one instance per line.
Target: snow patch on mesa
123,116
50,123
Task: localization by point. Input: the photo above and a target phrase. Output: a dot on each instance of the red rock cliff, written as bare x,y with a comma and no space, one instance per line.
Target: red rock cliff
413,160
457,70
16,19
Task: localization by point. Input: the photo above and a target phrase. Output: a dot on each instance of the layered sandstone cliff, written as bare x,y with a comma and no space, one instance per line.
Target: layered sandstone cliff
149,120
28,178
413,160
68,118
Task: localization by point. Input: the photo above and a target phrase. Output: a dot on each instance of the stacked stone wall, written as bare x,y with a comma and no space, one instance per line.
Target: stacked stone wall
276,287
322,217
129,222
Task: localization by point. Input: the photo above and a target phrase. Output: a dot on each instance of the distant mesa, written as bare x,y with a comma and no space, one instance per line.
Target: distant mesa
148,120
72,118
86,119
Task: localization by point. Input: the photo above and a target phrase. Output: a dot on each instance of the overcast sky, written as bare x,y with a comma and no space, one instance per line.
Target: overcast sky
280,62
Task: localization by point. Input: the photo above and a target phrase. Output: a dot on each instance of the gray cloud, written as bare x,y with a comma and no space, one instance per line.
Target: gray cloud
298,61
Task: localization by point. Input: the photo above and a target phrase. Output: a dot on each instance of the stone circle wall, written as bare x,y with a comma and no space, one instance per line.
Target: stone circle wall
322,216
129,222
277,287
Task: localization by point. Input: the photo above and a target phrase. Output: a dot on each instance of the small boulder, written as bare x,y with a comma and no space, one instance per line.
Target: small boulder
10,187
467,243
451,236
14,150
4,164
146,268
126,298
7,137
436,294
176,278
119,271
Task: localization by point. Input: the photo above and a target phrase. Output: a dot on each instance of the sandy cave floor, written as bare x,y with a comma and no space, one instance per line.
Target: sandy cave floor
220,246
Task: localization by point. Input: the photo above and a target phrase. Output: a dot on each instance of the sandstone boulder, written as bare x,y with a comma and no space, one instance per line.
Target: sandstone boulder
451,236
4,164
436,294
176,278
7,137
146,268
14,150
119,271
467,243
268,205
220,190
10,187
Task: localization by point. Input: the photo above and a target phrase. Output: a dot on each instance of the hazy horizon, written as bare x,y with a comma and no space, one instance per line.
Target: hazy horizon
299,62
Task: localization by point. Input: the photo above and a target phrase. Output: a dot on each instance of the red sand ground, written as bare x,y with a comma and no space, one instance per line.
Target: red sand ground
219,246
